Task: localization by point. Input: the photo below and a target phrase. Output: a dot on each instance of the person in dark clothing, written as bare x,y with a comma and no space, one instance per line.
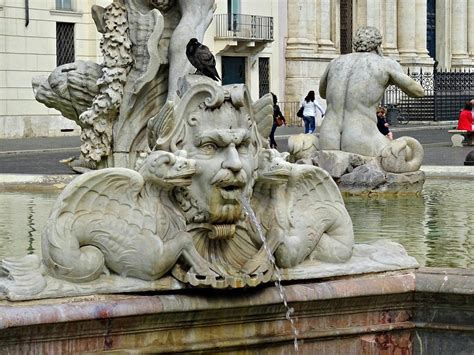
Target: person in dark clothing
278,120
382,123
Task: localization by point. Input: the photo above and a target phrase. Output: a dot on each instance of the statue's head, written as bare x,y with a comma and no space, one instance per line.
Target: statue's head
367,39
216,126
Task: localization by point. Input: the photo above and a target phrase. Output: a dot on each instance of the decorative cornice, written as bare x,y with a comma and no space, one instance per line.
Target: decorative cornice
65,13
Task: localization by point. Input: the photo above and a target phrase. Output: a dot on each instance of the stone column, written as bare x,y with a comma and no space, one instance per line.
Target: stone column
374,14
421,23
301,48
301,27
459,56
470,28
389,44
443,33
406,23
324,14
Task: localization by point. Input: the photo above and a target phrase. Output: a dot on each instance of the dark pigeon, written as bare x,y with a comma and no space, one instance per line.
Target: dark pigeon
202,59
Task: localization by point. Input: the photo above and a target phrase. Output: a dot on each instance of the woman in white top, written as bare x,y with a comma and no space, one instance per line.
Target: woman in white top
310,105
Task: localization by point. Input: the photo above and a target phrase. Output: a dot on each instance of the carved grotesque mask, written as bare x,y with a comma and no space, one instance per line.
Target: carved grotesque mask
220,142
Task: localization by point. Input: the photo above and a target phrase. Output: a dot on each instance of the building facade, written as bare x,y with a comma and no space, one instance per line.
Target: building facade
34,39
417,33
281,46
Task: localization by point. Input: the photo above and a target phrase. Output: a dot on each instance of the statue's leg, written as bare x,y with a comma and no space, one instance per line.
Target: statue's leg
361,136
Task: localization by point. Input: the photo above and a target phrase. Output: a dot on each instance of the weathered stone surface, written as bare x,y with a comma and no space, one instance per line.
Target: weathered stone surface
200,206
338,163
403,183
143,49
429,310
330,315
303,146
370,178
363,178
70,88
403,155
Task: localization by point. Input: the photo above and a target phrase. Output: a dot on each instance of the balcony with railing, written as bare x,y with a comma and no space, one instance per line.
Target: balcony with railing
244,27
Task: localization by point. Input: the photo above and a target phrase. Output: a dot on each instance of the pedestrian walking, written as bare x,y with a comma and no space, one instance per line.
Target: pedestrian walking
309,106
278,120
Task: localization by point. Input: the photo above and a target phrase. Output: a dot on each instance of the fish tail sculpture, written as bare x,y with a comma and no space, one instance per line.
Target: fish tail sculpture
402,155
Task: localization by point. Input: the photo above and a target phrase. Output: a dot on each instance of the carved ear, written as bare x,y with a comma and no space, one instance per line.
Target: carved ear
98,17
263,113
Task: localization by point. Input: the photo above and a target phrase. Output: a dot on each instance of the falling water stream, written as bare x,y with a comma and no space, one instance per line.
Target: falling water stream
289,310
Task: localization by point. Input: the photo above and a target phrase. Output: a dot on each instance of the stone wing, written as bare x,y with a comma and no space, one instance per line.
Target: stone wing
316,209
102,207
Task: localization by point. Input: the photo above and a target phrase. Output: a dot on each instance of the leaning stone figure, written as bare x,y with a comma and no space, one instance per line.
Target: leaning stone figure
353,86
350,147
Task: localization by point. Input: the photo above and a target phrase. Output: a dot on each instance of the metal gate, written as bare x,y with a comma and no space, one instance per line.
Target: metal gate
446,92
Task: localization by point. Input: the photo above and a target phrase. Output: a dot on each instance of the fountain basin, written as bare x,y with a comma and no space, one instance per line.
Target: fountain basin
422,311
429,310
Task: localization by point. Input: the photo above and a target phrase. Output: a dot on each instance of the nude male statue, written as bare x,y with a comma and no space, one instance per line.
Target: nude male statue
353,86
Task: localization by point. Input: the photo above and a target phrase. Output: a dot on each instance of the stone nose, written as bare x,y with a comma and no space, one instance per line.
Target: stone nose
232,159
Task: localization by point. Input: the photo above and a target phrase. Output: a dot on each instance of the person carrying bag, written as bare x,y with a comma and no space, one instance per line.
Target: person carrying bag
278,120
308,112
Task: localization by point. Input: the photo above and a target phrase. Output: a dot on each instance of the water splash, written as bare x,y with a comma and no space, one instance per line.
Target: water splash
281,291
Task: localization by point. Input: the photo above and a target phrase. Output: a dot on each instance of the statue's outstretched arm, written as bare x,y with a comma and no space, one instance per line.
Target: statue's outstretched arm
403,81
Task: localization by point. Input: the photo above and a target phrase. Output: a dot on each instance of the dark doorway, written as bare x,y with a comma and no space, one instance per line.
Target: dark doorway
346,26
431,28
233,70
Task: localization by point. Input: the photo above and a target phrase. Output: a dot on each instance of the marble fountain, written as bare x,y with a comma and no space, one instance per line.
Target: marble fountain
187,234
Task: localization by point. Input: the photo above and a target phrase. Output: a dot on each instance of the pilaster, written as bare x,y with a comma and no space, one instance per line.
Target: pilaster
459,55
389,44
325,15
470,29
406,24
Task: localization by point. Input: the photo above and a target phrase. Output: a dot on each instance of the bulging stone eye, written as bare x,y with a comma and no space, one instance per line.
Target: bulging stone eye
208,148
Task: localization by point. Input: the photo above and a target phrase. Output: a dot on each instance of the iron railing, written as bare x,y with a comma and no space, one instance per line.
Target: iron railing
289,110
244,27
446,92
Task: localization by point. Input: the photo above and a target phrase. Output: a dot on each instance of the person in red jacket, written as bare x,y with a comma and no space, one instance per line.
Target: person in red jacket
465,117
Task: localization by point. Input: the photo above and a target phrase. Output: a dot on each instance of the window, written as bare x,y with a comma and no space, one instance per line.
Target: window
64,43
346,26
64,5
233,12
263,76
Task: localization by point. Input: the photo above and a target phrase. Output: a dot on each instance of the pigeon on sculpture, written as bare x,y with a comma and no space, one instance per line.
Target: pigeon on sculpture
202,59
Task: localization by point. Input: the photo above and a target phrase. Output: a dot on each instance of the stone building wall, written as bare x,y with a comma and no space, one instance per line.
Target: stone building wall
27,51
314,36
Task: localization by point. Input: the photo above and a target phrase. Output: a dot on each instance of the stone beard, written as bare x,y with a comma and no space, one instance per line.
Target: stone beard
224,145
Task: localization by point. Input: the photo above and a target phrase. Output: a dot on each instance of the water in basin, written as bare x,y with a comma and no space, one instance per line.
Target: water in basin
435,228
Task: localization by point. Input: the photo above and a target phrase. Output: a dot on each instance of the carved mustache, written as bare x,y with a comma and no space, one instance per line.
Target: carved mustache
227,178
